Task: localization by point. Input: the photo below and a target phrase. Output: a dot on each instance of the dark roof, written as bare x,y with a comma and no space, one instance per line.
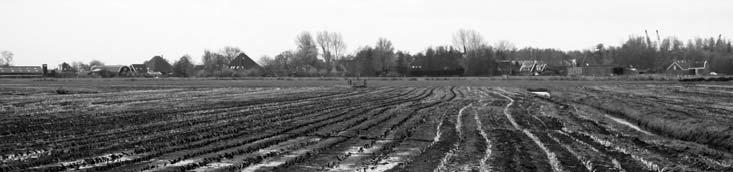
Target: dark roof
242,61
21,70
684,65
111,68
139,68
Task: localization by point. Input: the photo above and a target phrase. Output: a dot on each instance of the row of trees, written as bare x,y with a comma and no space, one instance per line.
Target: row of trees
323,54
382,59
655,55
214,64
305,61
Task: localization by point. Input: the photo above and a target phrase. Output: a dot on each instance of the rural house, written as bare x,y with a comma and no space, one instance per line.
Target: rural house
531,67
243,62
683,67
21,71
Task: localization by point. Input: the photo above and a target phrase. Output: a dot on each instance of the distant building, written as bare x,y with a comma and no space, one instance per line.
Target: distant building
601,71
417,68
531,67
243,62
139,68
65,68
682,67
590,71
21,71
111,70
521,67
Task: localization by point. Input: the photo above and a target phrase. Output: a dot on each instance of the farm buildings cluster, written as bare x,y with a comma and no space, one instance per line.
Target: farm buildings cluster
156,67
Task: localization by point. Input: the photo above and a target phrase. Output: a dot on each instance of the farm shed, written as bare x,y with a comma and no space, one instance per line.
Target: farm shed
243,62
21,71
682,67
112,70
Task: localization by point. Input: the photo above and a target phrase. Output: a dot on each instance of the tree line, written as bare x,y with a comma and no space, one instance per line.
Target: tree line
471,55
323,54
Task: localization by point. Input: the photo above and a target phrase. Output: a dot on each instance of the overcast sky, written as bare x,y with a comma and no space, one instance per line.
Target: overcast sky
131,31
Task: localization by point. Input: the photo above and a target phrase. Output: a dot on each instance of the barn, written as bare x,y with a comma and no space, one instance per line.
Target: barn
21,71
683,67
243,62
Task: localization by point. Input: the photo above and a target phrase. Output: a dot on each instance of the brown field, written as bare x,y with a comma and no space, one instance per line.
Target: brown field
321,124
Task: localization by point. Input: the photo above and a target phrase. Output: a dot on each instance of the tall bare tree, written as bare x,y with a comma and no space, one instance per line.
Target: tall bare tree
230,53
7,58
504,45
332,46
468,40
307,52
384,51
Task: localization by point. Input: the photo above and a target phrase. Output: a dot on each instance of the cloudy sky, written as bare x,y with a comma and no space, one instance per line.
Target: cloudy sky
131,31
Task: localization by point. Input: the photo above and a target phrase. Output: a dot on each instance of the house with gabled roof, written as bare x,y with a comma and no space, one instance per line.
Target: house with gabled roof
243,62
684,67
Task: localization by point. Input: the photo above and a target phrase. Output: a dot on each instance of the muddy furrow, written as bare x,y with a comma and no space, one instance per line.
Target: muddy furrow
292,132
343,155
165,142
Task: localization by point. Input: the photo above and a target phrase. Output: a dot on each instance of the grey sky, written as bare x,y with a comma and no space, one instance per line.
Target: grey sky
131,31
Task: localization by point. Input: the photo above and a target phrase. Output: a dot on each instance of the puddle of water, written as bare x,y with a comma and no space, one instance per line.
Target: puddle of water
627,123
542,93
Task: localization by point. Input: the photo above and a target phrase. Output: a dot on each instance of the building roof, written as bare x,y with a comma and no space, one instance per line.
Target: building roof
531,65
685,65
21,70
111,68
139,68
242,61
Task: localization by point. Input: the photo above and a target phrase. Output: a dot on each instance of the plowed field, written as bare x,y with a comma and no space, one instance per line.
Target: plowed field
440,127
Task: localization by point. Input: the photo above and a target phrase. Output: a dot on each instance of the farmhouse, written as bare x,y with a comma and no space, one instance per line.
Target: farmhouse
532,67
682,67
243,62
21,71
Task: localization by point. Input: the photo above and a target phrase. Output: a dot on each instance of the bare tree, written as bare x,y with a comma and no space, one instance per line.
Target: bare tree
230,53
95,63
307,52
504,45
80,66
384,52
7,58
468,40
332,45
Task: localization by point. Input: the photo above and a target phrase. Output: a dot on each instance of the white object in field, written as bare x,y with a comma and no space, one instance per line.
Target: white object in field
713,73
542,93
